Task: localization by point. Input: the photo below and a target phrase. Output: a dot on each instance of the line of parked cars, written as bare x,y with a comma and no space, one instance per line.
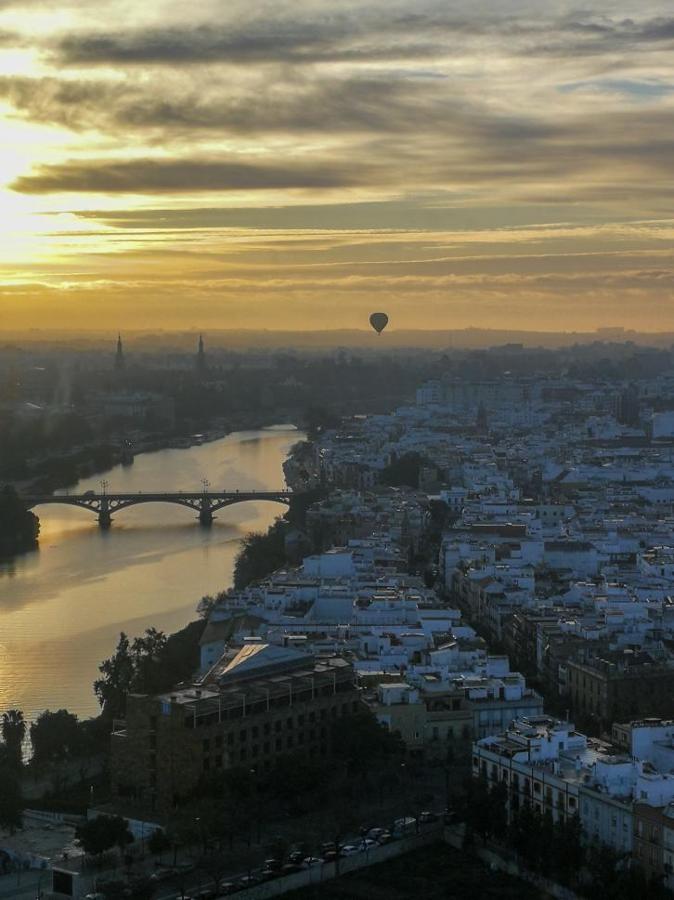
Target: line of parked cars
370,837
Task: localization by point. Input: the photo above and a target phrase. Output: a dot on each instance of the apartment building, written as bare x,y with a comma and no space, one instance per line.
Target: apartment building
264,702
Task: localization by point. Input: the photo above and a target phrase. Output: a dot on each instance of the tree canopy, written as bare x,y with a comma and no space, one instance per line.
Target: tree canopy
260,555
404,471
55,736
19,527
13,733
148,664
103,833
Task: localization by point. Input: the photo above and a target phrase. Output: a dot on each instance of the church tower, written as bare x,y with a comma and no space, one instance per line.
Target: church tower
119,356
201,357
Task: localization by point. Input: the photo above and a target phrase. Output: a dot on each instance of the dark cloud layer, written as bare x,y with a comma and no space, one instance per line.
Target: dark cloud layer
183,176
369,36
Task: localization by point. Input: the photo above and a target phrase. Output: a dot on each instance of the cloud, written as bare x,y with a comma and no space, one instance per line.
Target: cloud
366,34
150,176
294,105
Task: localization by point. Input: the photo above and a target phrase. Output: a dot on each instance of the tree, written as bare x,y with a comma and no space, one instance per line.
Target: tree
149,664
54,736
569,853
158,842
13,733
260,555
19,527
477,807
11,799
362,743
103,833
404,471
117,677
146,654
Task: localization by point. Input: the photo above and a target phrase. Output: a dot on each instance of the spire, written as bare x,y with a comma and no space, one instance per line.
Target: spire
201,357
119,356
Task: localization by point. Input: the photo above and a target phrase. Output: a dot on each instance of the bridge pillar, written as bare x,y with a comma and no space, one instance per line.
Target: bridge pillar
104,517
205,512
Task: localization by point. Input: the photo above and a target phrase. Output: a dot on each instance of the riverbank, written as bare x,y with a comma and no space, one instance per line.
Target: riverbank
61,471
63,606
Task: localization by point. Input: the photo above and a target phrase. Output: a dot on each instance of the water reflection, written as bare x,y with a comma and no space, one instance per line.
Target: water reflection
62,607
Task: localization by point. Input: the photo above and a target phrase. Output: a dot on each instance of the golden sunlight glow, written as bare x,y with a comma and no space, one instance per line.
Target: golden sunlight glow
221,164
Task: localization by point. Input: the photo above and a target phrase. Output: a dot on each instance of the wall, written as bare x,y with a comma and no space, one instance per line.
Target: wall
430,834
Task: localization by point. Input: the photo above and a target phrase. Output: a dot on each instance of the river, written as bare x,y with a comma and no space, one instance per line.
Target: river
63,606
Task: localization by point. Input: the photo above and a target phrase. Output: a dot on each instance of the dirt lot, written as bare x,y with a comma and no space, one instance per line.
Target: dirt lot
41,839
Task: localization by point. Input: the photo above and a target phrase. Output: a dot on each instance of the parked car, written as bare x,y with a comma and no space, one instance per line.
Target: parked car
426,817
274,864
290,868
405,825
228,888
385,837
163,874
349,850
310,861
368,844
329,856
375,833
296,856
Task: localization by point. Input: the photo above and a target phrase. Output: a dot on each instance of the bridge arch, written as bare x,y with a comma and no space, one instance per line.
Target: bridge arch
205,503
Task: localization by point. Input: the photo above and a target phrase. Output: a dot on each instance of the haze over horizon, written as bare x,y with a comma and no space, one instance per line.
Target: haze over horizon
294,166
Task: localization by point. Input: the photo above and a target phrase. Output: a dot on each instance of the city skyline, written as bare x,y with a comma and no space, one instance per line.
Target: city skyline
296,166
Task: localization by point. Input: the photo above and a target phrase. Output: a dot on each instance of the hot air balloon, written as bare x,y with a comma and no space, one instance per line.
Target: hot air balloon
379,321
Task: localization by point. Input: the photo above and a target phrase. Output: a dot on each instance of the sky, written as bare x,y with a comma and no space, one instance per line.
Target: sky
297,164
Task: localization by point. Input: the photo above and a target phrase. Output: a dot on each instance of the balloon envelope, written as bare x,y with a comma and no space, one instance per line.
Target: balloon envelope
379,321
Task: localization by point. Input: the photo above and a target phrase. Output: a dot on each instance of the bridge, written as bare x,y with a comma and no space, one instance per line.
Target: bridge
204,503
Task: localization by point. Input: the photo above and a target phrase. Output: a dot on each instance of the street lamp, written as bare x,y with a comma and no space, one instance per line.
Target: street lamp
256,805
104,485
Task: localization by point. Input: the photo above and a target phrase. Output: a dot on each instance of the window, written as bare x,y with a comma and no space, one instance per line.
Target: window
218,741
206,745
243,734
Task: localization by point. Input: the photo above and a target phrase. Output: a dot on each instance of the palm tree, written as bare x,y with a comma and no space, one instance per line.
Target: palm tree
13,733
